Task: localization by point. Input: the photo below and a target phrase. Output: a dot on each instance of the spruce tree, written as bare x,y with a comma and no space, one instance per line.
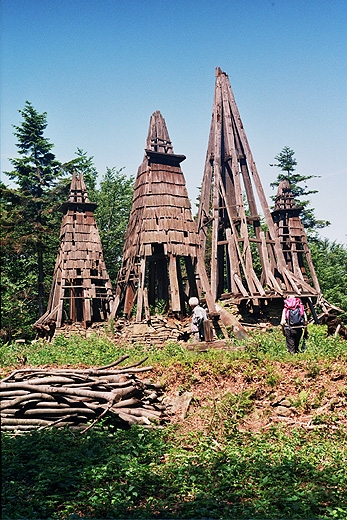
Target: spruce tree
286,162
114,199
35,173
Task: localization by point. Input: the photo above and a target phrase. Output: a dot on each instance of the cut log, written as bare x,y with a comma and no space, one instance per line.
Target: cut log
40,398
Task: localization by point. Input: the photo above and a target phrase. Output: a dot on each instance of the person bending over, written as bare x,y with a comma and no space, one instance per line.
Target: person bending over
198,317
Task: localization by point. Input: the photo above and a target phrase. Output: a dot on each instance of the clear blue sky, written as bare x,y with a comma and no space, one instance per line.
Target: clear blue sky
99,68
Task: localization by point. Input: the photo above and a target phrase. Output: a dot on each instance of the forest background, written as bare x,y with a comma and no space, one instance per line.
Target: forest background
31,221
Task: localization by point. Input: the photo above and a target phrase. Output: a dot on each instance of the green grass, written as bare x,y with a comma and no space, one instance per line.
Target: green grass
97,350
180,472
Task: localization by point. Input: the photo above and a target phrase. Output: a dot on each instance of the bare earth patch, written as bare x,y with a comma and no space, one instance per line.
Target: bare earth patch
306,395
252,396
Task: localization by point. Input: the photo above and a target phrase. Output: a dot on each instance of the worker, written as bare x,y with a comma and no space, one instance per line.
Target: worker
198,317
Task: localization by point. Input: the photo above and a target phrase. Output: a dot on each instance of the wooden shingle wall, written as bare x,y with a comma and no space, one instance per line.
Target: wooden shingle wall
81,290
160,259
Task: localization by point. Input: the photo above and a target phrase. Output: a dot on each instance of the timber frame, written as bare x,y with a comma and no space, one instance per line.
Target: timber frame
81,289
292,236
249,261
162,263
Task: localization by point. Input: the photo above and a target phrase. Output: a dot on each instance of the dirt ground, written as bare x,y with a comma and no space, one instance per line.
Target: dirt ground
306,395
254,395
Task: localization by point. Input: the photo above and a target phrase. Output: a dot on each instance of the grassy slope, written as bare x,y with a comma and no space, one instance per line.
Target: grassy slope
230,458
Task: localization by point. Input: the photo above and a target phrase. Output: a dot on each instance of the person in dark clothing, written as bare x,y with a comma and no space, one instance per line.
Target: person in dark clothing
294,323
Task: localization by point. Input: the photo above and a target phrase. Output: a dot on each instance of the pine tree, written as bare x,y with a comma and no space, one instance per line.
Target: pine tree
286,162
35,172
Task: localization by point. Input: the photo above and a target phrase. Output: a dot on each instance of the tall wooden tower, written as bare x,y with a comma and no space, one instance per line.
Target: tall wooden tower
162,263
81,290
247,259
292,236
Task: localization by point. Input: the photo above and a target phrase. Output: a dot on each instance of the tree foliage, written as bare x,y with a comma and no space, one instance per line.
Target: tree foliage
330,261
27,225
114,199
31,220
85,165
286,162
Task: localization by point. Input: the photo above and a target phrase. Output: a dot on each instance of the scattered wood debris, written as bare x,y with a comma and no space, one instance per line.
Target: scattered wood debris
37,398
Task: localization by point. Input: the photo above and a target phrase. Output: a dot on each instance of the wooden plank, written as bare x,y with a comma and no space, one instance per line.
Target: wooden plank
234,263
174,288
201,270
145,302
217,162
181,289
269,277
87,310
193,290
142,276
139,303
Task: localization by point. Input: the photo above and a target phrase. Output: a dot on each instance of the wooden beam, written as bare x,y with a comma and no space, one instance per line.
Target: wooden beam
174,288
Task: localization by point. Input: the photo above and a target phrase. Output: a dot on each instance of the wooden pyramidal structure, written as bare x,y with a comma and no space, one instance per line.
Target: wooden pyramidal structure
292,236
81,289
247,263
162,263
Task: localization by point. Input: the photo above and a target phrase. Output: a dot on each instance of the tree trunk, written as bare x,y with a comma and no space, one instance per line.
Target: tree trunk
40,288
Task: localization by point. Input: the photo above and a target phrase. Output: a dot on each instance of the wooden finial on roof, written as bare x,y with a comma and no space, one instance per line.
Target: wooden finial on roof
78,191
161,249
158,139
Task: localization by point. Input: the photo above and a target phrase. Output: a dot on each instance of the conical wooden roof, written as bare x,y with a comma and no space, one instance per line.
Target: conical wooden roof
161,230
81,289
161,210
247,262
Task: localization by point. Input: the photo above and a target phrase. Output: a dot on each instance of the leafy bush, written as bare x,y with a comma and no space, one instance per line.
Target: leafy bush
151,473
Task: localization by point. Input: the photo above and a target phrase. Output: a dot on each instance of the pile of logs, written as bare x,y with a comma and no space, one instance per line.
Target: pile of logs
40,398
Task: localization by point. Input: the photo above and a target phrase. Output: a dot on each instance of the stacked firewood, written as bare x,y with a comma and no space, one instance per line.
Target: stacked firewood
40,398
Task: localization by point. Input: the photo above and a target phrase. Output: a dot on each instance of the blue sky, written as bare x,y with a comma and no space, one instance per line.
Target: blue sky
99,68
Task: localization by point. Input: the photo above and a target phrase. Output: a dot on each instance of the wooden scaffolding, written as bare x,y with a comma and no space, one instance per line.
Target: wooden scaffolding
162,264
247,254
81,289
292,236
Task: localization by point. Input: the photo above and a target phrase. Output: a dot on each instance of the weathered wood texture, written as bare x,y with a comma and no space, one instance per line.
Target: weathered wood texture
286,216
81,289
246,263
34,398
161,238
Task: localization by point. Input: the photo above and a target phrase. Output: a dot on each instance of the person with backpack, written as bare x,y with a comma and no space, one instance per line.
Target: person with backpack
294,323
198,318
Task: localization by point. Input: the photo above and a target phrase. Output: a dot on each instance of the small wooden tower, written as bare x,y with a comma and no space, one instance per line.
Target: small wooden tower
292,236
81,290
247,262
162,252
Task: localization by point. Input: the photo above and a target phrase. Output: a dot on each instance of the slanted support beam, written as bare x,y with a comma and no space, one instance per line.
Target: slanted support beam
244,262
